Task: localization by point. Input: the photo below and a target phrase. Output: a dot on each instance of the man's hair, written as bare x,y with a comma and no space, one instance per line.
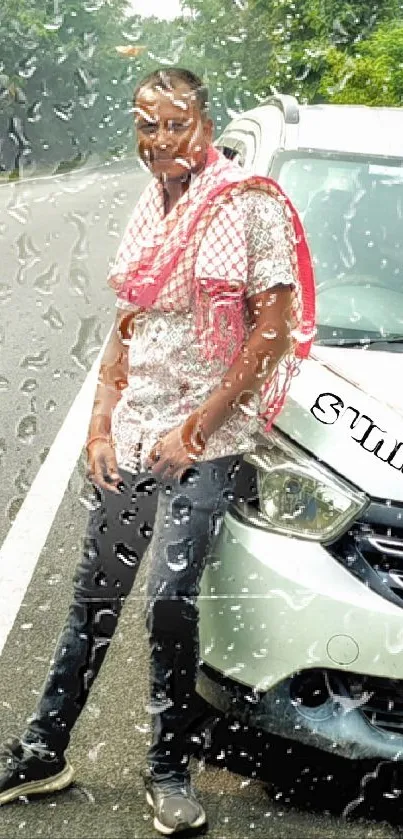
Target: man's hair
168,79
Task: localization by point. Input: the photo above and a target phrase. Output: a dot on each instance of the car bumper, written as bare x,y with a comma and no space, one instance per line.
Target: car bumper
336,726
271,606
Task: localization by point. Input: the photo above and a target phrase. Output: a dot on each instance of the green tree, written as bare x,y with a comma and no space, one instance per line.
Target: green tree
63,94
372,74
306,34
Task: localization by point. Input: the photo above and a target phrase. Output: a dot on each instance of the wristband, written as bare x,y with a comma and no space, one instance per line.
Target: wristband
192,437
106,438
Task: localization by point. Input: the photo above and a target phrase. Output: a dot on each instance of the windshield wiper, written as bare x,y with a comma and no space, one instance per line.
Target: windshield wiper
360,342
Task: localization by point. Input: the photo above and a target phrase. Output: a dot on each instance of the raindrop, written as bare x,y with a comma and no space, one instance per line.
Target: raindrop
128,516
93,5
145,487
43,454
80,250
79,283
53,318
88,343
262,653
181,509
26,249
50,406
113,227
146,530
5,292
4,384
88,100
26,428
20,212
178,562
61,54
94,752
126,554
46,282
21,482
100,579
34,112
27,67
13,508
29,385
119,198
36,362
64,112
55,24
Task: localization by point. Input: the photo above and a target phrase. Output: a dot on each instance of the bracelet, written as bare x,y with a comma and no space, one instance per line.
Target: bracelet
192,438
106,438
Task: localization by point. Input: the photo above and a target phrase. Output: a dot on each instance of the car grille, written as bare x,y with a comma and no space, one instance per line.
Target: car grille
380,700
373,549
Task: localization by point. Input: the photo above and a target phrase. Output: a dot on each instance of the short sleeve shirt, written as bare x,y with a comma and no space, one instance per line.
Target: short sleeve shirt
168,379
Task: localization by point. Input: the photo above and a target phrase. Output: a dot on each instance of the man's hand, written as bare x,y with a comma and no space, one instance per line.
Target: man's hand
102,468
170,457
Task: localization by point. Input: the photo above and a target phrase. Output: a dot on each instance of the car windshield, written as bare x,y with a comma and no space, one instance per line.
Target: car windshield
352,210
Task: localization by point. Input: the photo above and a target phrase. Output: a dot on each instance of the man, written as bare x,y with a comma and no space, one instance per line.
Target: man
215,305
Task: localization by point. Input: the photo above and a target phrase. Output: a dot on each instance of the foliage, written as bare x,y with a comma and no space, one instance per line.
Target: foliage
372,74
65,92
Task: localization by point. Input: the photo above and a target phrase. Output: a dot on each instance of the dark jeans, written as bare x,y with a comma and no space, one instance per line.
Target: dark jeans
182,517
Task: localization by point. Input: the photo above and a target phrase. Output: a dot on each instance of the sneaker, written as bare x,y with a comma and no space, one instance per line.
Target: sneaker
174,802
22,772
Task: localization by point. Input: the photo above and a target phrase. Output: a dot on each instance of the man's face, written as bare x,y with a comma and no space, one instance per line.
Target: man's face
172,136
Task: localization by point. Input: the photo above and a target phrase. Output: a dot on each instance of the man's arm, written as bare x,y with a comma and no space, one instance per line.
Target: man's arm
269,340
111,381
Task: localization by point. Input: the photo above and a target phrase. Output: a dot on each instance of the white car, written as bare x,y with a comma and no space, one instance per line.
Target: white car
301,621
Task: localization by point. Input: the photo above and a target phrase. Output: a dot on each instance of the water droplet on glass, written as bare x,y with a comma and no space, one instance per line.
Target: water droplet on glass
55,24
181,510
128,516
4,384
36,362
27,67
126,554
26,249
179,563
29,385
34,112
46,282
13,508
26,428
22,482
53,318
79,282
5,292
65,111
88,343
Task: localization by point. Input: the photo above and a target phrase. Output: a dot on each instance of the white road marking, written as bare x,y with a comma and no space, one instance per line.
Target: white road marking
23,544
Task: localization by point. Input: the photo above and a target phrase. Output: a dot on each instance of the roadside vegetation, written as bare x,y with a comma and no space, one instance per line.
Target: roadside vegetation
68,67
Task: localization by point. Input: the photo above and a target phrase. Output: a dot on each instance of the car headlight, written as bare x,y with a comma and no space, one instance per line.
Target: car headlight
298,496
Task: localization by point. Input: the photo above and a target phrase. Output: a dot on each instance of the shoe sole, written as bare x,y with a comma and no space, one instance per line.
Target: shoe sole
52,784
167,831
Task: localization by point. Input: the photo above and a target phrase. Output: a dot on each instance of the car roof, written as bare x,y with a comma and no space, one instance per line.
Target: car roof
351,129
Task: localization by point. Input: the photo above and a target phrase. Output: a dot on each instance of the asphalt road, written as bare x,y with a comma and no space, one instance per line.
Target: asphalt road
56,239
57,236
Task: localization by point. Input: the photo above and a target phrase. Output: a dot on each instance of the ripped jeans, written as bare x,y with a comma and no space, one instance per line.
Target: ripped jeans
180,517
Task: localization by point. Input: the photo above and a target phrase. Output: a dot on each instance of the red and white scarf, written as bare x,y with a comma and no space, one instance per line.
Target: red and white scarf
157,247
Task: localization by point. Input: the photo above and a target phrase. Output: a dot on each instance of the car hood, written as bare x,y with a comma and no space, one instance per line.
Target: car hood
346,408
